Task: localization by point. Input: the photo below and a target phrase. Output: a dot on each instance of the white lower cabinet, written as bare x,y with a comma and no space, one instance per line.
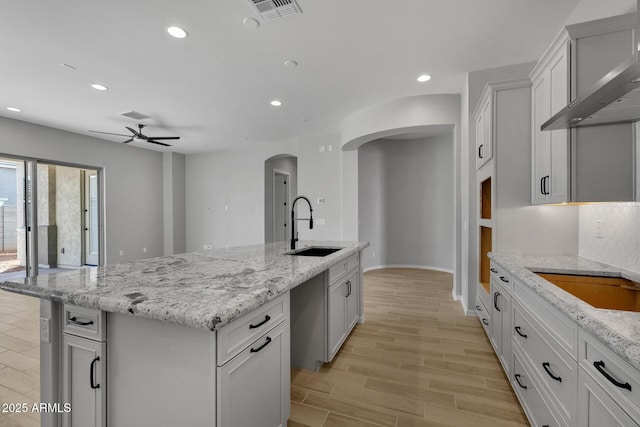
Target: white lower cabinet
596,407
254,385
501,323
84,373
344,309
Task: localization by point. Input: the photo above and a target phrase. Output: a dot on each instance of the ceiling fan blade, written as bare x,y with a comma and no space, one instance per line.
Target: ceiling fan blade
159,143
127,141
132,131
108,133
164,137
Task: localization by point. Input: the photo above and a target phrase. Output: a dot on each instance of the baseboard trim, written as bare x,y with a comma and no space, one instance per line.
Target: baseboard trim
420,267
471,312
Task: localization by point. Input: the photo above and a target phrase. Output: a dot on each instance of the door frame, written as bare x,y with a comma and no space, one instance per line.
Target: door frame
31,215
273,201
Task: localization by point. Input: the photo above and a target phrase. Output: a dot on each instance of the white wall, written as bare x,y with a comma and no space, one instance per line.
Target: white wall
588,10
173,173
406,202
133,182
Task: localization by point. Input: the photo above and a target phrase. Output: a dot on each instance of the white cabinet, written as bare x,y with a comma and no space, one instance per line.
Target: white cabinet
84,369
344,309
253,378
596,407
501,321
550,149
253,387
484,130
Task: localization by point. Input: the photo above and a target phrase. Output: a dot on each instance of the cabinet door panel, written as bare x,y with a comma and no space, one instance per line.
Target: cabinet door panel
353,301
596,408
337,316
480,141
84,364
540,141
253,387
558,187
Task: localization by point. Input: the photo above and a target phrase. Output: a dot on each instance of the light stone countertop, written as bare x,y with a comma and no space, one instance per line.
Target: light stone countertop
618,330
206,289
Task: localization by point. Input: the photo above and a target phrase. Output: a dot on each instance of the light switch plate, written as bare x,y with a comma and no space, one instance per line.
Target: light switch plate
45,330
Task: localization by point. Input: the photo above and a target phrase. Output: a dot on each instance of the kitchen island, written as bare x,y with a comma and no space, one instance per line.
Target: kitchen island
191,339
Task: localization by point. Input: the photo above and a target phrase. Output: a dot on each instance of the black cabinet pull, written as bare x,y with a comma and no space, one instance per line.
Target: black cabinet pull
493,270
477,307
266,319
348,288
485,321
75,321
546,366
546,185
517,377
480,154
504,279
600,367
542,186
92,381
255,350
517,328
495,300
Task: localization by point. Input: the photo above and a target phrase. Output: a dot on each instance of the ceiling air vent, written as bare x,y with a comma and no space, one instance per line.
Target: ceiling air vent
135,115
270,10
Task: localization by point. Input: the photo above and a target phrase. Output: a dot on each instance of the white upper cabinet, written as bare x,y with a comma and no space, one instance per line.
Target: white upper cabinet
483,118
550,149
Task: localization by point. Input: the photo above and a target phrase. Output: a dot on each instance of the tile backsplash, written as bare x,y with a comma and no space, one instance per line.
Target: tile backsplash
610,233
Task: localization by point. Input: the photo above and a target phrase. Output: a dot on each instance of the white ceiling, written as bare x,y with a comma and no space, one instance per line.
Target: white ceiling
214,87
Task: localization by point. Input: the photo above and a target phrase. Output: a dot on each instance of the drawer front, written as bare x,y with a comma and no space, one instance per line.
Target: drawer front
342,267
619,379
239,334
555,369
562,329
501,276
84,322
530,395
597,408
484,316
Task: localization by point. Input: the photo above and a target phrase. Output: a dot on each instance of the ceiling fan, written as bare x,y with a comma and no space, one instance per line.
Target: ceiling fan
138,136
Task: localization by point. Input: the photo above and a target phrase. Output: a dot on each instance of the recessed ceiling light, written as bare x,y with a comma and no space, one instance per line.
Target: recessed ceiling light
276,103
14,109
250,23
177,32
290,64
424,78
98,86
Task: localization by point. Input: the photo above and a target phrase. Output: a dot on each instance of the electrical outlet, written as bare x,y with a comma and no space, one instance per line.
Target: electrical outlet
144,250
226,207
373,254
208,246
45,330
322,148
330,147
121,252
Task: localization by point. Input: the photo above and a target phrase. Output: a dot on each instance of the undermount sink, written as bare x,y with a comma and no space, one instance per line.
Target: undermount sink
612,293
315,251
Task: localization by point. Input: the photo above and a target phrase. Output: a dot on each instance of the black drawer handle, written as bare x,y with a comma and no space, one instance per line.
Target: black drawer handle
75,321
493,270
505,280
92,381
477,307
546,366
480,151
495,300
519,331
600,367
266,319
517,377
485,321
255,350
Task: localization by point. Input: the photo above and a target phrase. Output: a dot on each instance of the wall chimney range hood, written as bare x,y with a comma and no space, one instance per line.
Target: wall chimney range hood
615,98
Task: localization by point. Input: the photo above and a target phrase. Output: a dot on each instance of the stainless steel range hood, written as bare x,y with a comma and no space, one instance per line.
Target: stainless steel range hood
615,98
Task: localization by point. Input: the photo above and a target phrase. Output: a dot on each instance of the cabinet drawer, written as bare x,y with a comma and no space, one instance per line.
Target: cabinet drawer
501,276
530,395
562,329
237,335
597,408
84,322
555,369
342,267
484,316
619,379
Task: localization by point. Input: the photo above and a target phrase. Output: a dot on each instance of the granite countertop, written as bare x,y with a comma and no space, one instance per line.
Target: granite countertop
206,289
618,330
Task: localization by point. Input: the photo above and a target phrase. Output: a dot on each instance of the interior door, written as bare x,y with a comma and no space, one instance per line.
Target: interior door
280,206
91,218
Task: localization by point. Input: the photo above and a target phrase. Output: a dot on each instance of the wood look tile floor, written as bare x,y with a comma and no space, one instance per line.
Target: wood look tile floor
416,361
19,357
